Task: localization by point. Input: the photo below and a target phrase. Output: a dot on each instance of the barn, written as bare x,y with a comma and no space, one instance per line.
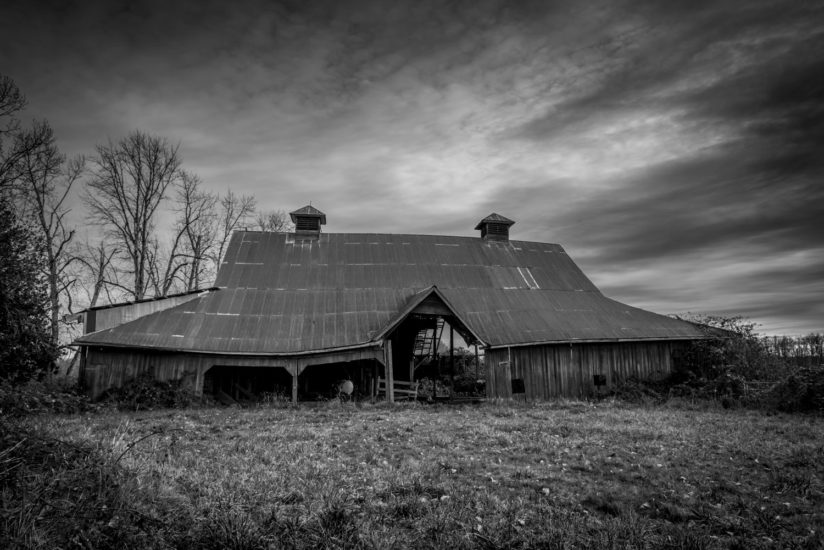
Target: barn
294,312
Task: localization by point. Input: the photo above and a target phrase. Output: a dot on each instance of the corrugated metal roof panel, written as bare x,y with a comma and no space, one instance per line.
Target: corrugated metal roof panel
287,296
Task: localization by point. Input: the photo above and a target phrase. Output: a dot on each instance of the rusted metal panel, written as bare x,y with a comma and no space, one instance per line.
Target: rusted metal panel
285,295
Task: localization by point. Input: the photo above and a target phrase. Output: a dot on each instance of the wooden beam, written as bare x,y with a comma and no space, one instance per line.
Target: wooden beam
375,376
295,373
339,357
451,361
477,362
390,375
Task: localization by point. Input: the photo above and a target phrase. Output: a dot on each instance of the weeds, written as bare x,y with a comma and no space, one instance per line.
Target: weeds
562,475
41,397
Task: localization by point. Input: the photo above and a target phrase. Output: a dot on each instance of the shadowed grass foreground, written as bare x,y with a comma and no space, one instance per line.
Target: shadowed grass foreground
555,475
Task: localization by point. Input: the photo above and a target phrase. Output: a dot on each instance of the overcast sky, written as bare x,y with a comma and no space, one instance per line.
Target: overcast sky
674,148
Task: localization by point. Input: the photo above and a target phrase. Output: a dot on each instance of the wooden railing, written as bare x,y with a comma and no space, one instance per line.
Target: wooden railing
401,389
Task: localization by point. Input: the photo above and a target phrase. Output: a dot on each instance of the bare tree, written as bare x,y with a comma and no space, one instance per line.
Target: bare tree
273,220
183,265
129,182
12,149
46,179
198,219
95,270
234,212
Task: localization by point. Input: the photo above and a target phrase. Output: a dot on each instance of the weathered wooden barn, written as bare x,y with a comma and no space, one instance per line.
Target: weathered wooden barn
300,310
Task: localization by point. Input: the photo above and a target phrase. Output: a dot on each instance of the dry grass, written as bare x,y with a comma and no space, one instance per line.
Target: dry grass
568,475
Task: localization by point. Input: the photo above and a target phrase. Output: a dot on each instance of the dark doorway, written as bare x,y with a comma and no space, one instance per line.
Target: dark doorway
231,385
321,382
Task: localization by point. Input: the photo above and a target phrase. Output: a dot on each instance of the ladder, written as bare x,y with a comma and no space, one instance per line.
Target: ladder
425,348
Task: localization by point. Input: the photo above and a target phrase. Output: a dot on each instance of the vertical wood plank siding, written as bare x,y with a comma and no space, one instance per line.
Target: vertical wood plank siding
561,370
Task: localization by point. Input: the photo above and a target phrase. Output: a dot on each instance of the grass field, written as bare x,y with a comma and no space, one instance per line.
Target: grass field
563,475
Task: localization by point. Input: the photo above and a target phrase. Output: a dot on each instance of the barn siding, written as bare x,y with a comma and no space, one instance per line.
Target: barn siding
105,368
564,370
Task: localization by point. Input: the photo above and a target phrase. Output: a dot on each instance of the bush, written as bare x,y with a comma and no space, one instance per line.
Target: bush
733,348
146,393
802,391
26,349
41,396
736,368
470,386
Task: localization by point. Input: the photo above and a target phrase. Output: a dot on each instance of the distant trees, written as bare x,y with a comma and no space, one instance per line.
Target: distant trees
45,179
95,270
12,101
234,212
132,181
272,220
801,350
162,232
129,181
197,224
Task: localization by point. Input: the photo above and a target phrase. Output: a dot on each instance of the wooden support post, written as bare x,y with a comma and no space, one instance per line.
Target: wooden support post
375,376
477,362
390,375
295,371
451,361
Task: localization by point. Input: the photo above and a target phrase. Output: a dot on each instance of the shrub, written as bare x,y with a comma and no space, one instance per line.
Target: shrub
26,349
802,391
41,396
737,368
469,385
146,393
734,348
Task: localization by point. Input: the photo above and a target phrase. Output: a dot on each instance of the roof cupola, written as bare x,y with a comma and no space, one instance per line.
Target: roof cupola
494,227
308,220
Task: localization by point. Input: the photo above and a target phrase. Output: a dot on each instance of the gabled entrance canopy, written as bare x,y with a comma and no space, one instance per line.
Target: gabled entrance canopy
431,301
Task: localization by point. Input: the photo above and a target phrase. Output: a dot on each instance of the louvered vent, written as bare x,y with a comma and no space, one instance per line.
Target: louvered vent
307,224
494,227
307,221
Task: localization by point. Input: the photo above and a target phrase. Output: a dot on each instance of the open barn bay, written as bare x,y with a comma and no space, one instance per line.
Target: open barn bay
563,475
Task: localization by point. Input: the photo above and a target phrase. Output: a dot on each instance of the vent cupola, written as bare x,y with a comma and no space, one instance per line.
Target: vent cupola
308,220
494,227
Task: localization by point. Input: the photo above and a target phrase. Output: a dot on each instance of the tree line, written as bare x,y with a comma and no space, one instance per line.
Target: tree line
125,186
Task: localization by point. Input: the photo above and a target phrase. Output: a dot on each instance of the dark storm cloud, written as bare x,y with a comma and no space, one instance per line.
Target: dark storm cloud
722,199
720,57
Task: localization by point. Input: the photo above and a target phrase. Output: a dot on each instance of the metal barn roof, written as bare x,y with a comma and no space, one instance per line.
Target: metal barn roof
495,218
285,295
